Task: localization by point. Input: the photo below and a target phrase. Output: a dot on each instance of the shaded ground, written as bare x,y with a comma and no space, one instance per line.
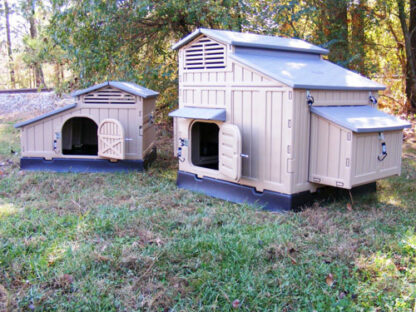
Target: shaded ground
134,242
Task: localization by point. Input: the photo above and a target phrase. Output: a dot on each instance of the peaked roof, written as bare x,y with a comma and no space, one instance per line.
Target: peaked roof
250,40
302,71
294,62
49,114
129,87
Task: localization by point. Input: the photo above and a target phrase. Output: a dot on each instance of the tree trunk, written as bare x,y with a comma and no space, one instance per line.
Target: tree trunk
358,39
409,34
39,77
9,45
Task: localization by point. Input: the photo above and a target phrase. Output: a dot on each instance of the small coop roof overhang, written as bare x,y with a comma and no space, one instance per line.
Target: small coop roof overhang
49,114
360,118
217,114
253,41
128,87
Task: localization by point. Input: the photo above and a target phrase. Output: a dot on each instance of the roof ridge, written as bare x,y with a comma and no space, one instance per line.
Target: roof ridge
248,39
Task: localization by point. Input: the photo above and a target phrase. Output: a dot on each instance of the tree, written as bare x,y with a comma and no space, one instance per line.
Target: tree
358,12
28,8
408,25
131,40
9,44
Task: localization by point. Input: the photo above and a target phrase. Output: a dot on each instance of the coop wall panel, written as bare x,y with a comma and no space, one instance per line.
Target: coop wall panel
257,108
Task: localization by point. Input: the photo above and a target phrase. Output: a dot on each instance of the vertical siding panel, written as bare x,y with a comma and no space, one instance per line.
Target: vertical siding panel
268,138
323,138
246,132
334,151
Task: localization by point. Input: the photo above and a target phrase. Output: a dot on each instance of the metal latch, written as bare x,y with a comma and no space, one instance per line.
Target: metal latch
244,155
183,142
383,154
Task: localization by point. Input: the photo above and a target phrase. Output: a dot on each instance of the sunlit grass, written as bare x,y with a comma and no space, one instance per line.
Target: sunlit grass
6,209
134,242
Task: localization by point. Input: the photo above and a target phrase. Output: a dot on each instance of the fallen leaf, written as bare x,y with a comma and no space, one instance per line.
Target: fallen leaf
236,304
329,280
293,260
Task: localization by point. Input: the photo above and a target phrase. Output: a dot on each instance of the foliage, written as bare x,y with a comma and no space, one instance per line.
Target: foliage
131,40
134,242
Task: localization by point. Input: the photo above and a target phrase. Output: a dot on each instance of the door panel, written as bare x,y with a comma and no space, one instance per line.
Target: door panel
111,139
230,151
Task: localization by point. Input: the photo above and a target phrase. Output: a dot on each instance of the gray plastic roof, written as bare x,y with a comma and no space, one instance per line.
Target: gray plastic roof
360,118
129,87
218,114
303,71
49,114
239,39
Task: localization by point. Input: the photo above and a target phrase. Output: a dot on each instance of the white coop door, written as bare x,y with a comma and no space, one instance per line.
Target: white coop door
111,139
230,151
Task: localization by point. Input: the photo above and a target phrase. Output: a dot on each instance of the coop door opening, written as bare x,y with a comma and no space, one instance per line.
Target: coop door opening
205,145
79,137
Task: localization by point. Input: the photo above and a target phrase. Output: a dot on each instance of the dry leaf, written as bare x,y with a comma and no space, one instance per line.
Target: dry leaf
293,260
329,280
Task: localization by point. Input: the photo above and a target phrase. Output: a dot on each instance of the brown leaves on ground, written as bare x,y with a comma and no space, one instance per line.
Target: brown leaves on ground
279,252
64,281
329,280
4,299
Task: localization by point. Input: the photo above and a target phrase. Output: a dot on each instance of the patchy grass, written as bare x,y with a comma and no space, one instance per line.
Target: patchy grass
134,242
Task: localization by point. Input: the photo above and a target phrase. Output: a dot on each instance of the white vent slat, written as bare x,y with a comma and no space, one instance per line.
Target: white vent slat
204,54
109,96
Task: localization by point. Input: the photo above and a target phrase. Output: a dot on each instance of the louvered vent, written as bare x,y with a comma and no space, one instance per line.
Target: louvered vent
205,54
109,96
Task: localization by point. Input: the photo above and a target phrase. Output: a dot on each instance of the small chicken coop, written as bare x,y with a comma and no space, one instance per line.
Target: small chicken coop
108,128
267,119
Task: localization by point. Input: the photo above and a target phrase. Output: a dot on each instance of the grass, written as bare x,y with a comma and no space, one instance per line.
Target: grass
134,242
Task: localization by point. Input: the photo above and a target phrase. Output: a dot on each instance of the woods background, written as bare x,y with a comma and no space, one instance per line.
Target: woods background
66,44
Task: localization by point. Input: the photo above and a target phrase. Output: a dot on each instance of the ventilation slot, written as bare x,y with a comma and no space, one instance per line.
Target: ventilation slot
205,54
109,96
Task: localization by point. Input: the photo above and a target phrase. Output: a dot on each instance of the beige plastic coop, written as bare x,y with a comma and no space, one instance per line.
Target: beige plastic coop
109,128
242,131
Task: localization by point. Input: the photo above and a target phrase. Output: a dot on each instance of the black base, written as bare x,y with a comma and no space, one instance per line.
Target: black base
85,165
269,200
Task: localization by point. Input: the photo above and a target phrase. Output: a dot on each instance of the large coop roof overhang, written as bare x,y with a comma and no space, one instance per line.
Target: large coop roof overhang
303,71
253,41
217,114
360,118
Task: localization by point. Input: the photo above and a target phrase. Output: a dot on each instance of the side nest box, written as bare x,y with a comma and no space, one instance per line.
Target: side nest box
268,120
109,128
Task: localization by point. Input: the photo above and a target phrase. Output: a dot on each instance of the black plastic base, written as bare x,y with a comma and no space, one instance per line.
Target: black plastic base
85,165
272,201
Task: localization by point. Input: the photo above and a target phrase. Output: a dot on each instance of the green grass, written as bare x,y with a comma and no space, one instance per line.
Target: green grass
134,242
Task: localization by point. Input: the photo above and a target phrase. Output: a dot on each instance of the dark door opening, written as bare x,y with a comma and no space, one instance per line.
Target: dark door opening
205,144
79,137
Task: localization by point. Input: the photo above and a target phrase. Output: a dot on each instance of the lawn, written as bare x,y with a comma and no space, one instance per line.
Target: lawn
134,242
